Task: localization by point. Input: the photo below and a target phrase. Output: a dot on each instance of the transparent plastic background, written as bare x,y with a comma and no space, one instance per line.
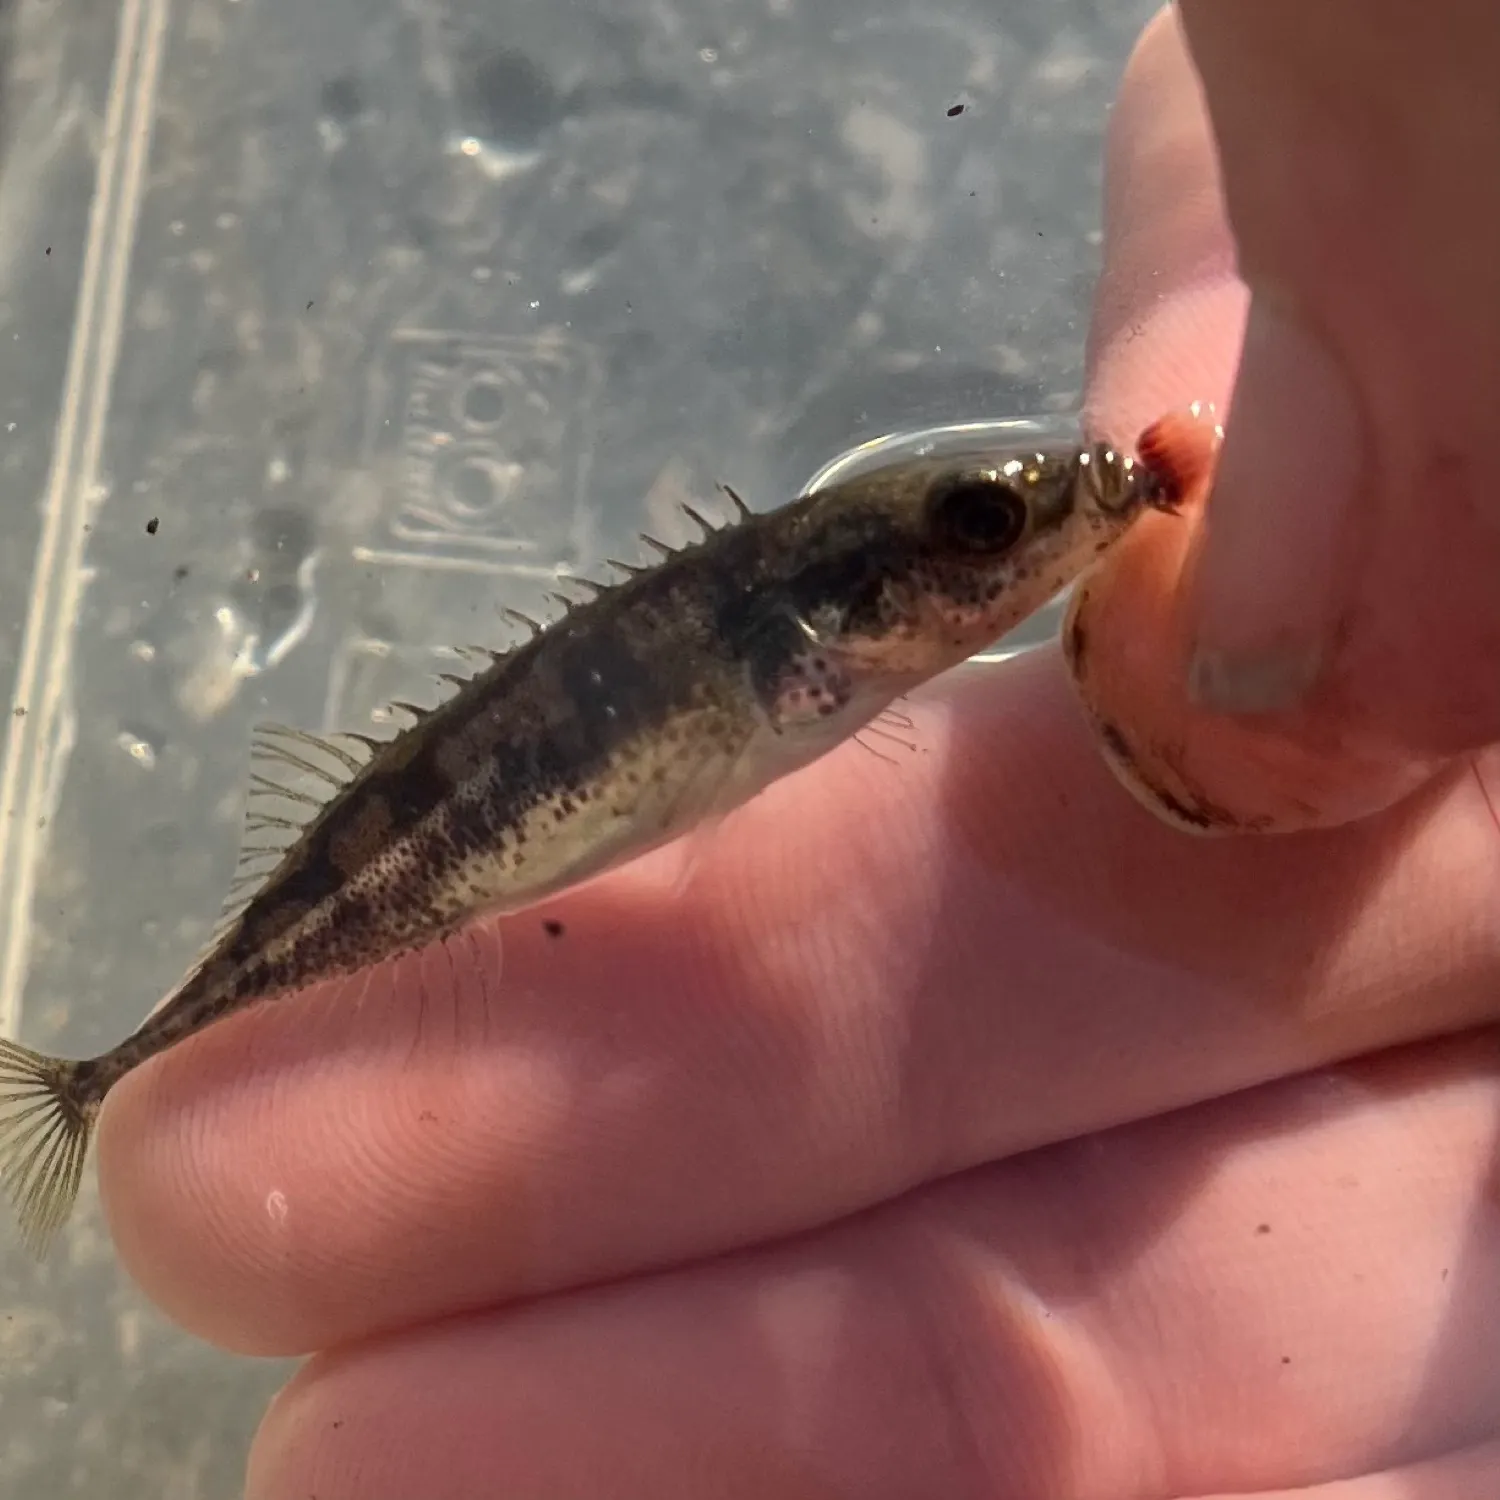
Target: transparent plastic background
328,328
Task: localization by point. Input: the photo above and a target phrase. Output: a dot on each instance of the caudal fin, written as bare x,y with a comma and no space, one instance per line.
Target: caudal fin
45,1126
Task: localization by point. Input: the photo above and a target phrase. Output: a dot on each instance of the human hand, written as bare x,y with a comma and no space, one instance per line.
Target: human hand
761,1140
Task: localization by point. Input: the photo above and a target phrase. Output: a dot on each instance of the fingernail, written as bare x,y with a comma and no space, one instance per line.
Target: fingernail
1269,575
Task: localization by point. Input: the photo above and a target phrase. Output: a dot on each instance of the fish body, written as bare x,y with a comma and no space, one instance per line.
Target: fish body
666,699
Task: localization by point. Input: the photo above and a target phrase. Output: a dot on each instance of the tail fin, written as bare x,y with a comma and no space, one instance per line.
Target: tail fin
45,1125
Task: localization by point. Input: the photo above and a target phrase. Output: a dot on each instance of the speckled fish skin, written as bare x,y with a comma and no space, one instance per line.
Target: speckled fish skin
671,697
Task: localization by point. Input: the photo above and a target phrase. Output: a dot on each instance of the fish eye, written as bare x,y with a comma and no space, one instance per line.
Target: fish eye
977,513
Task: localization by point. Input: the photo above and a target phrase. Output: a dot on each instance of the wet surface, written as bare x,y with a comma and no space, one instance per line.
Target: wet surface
385,312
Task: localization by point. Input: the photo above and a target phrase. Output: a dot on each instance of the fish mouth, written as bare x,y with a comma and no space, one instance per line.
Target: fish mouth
1121,485
1157,492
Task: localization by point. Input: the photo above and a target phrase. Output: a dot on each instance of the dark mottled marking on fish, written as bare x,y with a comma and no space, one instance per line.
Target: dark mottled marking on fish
661,701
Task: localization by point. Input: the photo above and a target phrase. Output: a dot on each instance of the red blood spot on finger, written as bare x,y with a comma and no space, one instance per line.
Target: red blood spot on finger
1179,448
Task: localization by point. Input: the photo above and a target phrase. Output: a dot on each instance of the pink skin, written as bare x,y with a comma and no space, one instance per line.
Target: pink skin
825,1053
1353,143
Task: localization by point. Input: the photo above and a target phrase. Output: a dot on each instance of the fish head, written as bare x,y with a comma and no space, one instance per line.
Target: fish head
918,564
905,570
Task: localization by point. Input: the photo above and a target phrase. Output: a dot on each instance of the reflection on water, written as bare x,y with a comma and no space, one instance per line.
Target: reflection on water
952,437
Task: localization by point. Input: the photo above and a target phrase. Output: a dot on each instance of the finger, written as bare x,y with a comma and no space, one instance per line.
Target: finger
1169,310
878,974
1258,1294
1167,330
1473,1474
1355,534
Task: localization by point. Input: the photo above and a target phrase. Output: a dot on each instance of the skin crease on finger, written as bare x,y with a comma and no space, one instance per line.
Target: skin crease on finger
1170,1309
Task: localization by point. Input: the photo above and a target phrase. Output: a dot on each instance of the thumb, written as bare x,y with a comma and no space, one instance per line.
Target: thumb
1352,550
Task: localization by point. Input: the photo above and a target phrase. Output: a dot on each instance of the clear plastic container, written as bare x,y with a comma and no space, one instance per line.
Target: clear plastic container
328,329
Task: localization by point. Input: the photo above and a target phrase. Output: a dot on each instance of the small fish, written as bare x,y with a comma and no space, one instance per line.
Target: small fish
664,700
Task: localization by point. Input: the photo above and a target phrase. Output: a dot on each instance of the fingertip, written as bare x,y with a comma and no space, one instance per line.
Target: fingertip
1356,542
1343,598
195,1186
1128,642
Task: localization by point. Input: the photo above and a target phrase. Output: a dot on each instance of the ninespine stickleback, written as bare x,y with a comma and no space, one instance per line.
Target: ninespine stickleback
666,699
